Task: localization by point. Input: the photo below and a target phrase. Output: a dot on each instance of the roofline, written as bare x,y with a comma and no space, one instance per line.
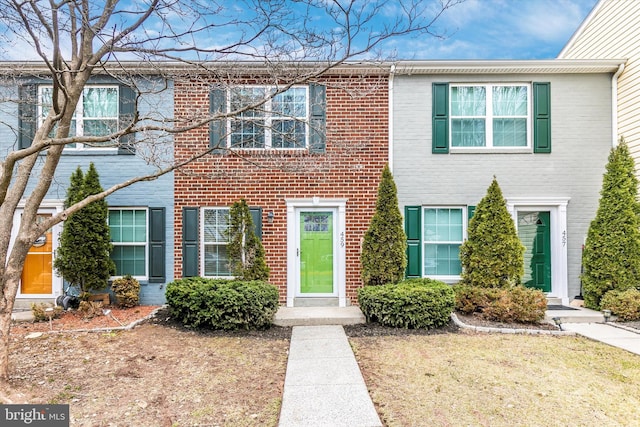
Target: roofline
581,28
548,66
405,67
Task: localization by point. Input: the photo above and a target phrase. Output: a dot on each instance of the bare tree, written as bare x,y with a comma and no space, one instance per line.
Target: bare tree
75,40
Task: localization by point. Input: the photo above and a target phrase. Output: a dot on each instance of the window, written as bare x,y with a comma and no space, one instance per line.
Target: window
129,238
215,241
490,116
96,114
281,122
443,231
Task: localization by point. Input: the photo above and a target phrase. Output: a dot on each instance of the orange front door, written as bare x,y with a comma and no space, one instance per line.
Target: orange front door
37,272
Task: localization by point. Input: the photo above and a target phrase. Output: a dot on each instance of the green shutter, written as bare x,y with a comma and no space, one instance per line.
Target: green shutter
190,242
413,228
27,112
218,128
542,117
256,216
318,119
157,245
127,100
440,123
470,211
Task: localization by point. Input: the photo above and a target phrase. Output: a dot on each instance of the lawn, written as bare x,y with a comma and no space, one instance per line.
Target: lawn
469,379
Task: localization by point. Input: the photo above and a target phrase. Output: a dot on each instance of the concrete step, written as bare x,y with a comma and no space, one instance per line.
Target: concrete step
314,316
580,315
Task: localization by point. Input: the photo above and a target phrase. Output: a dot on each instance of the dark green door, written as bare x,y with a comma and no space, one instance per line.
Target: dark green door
535,232
316,252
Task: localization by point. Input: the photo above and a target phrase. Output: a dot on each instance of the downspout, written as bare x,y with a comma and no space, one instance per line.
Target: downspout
614,105
392,72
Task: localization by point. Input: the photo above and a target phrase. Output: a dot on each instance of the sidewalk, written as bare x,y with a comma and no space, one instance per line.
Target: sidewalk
323,384
607,333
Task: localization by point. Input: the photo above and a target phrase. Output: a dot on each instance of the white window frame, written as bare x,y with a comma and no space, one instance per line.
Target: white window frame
79,117
269,117
203,242
465,219
489,117
145,243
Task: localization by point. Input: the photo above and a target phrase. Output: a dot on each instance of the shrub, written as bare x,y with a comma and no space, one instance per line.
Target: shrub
517,304
413,304
40,313
611,256
222,304
493,255
624,304
245,250
383,256
127,291
90,309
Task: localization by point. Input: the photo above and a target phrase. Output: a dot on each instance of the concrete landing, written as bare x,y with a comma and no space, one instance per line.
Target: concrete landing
314,316
323,384
579,315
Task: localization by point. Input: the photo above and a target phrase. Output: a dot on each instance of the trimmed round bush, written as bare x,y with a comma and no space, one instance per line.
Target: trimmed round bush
624,304
516,304
127,291
412,304
222,304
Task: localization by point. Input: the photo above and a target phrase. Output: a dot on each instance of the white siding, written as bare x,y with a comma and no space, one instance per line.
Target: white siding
613,31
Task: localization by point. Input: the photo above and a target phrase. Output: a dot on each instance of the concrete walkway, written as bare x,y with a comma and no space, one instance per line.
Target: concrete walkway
607,333
323,385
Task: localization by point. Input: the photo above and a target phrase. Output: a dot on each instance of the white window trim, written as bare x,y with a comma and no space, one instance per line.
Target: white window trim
489,120
146,242
79,117
269,117
465,216
203,243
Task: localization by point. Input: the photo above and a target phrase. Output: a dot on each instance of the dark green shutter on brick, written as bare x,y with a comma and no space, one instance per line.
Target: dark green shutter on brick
157,245
413,229
189,242
27,112
256,216
318,118
218,128
127,100
440,119
542,117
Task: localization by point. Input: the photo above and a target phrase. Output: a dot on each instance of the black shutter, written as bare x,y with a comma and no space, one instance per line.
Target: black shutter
542,117
27,114
189,242
318,118
127,100
157,245
218,128
440,118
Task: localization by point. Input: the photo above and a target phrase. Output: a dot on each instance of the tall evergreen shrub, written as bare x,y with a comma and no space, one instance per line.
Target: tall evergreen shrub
493,255
83,257
383,258
611,257
245,250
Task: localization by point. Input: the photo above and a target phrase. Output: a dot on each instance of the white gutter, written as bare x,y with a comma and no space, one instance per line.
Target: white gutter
392,71
614,105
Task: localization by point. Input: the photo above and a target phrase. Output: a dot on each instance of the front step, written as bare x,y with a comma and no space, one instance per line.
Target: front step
580,315
315,316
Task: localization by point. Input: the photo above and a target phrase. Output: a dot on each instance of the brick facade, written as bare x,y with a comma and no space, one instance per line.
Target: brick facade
357,149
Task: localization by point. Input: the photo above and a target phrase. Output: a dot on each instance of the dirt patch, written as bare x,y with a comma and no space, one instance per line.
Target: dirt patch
157,374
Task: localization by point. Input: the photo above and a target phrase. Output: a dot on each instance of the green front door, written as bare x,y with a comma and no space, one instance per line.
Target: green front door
535,232
316,252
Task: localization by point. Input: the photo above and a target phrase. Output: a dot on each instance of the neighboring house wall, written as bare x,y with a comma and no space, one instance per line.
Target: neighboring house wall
342,176
154,198
611,32
564,182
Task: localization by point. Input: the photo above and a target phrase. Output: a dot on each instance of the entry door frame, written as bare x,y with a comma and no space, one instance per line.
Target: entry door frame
557,208
294,207
46,207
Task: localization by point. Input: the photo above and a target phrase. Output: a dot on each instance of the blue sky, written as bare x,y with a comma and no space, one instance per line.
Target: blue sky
500,29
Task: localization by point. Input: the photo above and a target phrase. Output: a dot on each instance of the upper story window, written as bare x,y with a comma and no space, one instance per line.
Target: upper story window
96,114
280,122
490,116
